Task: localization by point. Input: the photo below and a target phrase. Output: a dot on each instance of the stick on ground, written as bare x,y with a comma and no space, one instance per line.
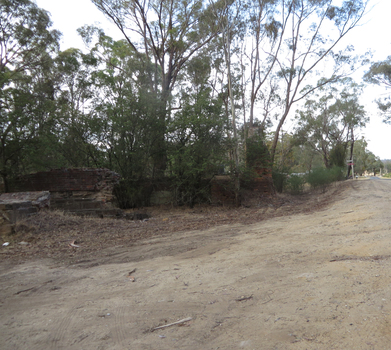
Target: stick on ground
174,323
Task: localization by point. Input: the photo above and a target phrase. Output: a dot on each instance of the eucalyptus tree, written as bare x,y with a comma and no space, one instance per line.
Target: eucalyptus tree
380,74
231,24
73,74
266,33
312,35
26,48
167,33
26,39
327,123
353,117
124,113
363,158
197,142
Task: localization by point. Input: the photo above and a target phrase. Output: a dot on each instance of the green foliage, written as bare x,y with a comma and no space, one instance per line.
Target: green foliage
322,177
124,124
295,184
279,180
26,87
380,74
327,124
133,193
284,154
158,104
305,159
25,39
196,145
168,34
257,153
365,160
387,165
338,156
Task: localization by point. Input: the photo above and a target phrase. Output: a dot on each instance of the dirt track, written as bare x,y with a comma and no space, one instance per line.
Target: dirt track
310,281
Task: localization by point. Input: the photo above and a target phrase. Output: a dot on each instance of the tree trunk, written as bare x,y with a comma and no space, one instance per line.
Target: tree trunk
351,156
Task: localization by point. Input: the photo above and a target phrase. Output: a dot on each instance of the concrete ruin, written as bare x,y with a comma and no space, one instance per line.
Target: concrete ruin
81,191
16,206
89,192
67,184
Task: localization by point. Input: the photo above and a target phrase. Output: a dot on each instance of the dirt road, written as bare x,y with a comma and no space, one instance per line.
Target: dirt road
309,281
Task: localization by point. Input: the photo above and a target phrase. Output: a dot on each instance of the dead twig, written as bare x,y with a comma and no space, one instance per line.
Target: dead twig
172,324
24,290
361,258
265,302
133,271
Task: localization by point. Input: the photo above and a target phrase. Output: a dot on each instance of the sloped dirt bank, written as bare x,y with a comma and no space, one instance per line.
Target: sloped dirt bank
305,273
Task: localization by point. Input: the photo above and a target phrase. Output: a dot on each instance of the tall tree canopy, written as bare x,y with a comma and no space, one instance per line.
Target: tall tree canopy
313,31
168,100
380,74
167,33
26,45
328,123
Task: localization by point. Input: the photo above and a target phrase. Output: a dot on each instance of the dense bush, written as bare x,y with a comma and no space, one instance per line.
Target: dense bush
321,177
295,184
279,180
133,194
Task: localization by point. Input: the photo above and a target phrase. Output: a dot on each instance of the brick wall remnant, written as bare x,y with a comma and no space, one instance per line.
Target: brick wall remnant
68,179
80,190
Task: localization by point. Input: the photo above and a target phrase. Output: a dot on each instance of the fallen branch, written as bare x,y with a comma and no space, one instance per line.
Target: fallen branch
361,258
172,324
24,290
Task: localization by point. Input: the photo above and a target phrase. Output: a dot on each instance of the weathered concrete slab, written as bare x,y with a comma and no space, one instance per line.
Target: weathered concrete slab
17,206
15,201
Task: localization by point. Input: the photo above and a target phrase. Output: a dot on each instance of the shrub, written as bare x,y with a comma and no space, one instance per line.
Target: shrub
321,177
279,180
257,153
337,173
133,194
295,184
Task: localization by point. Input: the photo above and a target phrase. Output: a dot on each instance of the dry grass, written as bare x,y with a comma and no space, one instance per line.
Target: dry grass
49,233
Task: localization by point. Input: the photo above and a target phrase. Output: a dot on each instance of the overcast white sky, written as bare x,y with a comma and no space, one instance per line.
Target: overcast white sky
374,34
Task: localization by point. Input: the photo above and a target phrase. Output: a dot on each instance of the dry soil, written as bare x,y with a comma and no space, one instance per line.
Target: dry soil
307,272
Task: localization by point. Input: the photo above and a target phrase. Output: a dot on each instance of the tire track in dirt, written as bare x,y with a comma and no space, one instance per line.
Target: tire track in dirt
63,329
119,327
317,281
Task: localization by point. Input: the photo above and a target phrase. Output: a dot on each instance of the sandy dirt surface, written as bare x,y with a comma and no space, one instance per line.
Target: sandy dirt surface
307,272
